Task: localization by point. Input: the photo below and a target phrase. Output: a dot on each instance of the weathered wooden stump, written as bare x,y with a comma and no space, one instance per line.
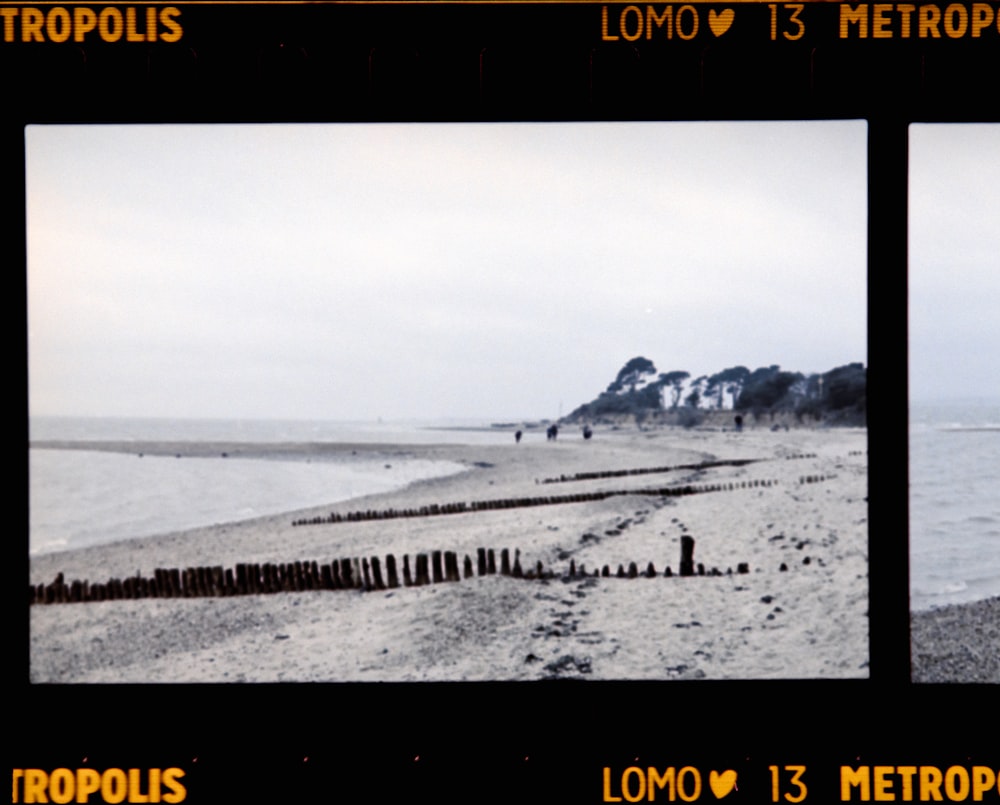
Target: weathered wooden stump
505,562
346,573
436,566
377,574
481,560
390,569
242,584
423,576
687,556
271,578
451,566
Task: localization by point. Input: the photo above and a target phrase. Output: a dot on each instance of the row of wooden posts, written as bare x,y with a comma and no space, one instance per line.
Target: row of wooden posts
340,574
703,465
548,500
814,479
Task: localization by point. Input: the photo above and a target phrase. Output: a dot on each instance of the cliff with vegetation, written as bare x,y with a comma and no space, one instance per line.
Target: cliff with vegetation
642,394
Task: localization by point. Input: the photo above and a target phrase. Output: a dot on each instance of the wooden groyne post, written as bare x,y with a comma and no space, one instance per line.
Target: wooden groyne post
340,574
687,556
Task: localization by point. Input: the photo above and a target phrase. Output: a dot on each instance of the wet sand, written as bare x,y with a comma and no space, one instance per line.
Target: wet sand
800,612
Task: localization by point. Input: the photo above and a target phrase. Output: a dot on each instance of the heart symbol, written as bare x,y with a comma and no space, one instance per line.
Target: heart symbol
722,784
719,23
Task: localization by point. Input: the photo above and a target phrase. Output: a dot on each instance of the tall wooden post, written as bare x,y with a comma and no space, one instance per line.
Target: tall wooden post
390,569
687,556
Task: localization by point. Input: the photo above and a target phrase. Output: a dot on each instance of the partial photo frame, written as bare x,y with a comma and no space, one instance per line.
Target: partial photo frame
954,417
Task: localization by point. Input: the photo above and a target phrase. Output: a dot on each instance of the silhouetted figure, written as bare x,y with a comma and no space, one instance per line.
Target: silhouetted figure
739,422
552,432
517,437
587,432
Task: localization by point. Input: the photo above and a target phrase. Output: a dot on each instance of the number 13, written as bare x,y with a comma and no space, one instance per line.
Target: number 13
800,28
796,780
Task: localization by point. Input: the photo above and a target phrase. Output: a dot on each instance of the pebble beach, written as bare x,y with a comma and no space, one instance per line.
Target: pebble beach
957,643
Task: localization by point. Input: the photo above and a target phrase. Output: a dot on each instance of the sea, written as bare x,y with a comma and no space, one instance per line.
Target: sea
78,498
954,502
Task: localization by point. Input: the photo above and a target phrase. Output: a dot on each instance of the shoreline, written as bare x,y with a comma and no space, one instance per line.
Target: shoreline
121,497
801,611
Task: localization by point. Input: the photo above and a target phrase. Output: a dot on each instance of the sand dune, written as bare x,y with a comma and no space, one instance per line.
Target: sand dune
800,611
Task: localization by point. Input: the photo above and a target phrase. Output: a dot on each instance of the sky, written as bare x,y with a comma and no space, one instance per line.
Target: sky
954,261
418,271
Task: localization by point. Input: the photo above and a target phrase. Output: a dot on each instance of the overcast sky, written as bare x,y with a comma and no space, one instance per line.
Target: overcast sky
954,261
429,271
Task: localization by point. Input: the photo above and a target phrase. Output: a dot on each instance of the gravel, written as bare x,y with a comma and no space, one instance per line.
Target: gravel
957,643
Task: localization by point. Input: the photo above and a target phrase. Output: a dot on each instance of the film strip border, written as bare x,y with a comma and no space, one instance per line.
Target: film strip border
466,60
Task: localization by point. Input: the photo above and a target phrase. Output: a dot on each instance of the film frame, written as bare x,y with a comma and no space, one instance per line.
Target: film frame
554,62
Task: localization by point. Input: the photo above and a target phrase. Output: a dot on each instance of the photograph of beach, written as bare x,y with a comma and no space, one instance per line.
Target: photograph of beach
954,403
447,402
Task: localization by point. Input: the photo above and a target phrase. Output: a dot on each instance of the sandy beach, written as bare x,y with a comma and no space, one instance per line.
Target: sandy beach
800,611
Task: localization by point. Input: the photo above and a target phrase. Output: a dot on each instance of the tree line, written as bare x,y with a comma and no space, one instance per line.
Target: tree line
837,396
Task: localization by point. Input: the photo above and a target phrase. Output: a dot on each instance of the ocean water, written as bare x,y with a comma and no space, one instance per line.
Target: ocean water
79,498
954,502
